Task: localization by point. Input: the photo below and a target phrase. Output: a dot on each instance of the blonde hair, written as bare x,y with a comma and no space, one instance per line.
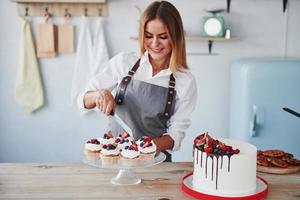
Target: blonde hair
170,16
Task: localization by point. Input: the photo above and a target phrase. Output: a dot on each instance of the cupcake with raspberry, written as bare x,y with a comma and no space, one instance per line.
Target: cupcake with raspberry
124,140
147,148
109,154
130,155
92,149
126,136
108,138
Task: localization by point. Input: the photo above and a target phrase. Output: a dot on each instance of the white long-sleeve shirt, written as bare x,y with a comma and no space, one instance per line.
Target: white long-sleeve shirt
185,86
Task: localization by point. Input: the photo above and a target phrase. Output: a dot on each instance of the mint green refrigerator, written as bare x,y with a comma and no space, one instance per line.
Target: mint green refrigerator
265,103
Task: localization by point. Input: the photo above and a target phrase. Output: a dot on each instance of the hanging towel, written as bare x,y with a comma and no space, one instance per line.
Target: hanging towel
83,60
91,56
29,89
100,52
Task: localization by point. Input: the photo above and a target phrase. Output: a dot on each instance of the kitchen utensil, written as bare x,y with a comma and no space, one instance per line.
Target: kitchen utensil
66,36
116,118
292,112
46,39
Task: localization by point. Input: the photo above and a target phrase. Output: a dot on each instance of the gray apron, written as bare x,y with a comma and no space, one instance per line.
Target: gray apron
144,107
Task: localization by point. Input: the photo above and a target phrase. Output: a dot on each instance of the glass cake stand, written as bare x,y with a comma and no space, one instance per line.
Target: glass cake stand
125,175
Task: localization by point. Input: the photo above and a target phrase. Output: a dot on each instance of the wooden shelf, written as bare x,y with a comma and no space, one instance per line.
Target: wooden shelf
58,8
59,1
198,38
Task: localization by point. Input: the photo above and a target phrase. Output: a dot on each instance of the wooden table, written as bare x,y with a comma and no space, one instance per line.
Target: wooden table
80,181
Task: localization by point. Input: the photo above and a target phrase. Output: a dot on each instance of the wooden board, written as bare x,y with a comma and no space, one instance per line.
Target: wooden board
66,38
278,170
46,40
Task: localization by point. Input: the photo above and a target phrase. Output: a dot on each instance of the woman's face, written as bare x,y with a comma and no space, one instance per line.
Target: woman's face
156,40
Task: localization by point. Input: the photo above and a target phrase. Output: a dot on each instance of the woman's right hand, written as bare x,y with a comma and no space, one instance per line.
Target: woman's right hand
102,99
105,102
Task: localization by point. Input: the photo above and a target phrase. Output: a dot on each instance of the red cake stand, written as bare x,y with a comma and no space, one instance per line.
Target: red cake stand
187,187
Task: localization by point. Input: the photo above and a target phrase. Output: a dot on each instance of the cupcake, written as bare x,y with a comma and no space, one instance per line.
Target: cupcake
147,148
92,149
124,140
126,136
130,155
109,154
107,138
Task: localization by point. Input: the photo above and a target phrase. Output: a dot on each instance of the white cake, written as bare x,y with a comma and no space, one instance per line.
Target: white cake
225,175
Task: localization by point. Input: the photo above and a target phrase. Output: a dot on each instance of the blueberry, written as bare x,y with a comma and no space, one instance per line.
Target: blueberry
127,147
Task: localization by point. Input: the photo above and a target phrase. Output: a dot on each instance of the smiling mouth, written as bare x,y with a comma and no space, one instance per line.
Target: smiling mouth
156,50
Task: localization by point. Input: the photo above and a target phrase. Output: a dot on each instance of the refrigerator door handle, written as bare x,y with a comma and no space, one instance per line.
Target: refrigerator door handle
253,122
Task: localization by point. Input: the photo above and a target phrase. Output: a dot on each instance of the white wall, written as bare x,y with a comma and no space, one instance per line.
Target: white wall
56,132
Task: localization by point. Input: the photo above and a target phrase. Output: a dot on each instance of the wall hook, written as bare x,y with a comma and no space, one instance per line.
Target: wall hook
26,11
46,14
285,2
228,5
67,14
100,11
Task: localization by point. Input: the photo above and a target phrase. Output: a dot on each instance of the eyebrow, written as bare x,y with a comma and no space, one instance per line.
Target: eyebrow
158,34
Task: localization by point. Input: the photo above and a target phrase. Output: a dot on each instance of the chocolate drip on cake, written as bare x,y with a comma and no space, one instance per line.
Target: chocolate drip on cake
213,148
197,156
212,167
217,171
211,156
221,162
201,158
206,166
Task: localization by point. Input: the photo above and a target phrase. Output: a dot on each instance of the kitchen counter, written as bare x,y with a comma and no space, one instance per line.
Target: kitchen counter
81,181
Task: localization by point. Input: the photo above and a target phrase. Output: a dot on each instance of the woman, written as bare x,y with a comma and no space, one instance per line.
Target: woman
156,93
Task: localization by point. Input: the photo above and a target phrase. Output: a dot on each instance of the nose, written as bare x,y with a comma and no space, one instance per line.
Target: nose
155,42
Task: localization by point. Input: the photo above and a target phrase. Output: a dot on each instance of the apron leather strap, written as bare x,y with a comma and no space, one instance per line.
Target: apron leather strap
125,81
170,97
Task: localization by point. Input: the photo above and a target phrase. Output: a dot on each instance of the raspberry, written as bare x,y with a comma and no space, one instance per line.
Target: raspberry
146,144
117,140
147,139
110,135
104,146
208,149
236,151
134,147
124,135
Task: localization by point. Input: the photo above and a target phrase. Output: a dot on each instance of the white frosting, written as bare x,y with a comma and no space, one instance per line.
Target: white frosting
138,142
106,141
124,144
240,180
130,153
150,149
108,152
93,147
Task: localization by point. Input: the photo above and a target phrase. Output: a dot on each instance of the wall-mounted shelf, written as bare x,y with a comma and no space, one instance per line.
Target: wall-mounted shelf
58,8
210,40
